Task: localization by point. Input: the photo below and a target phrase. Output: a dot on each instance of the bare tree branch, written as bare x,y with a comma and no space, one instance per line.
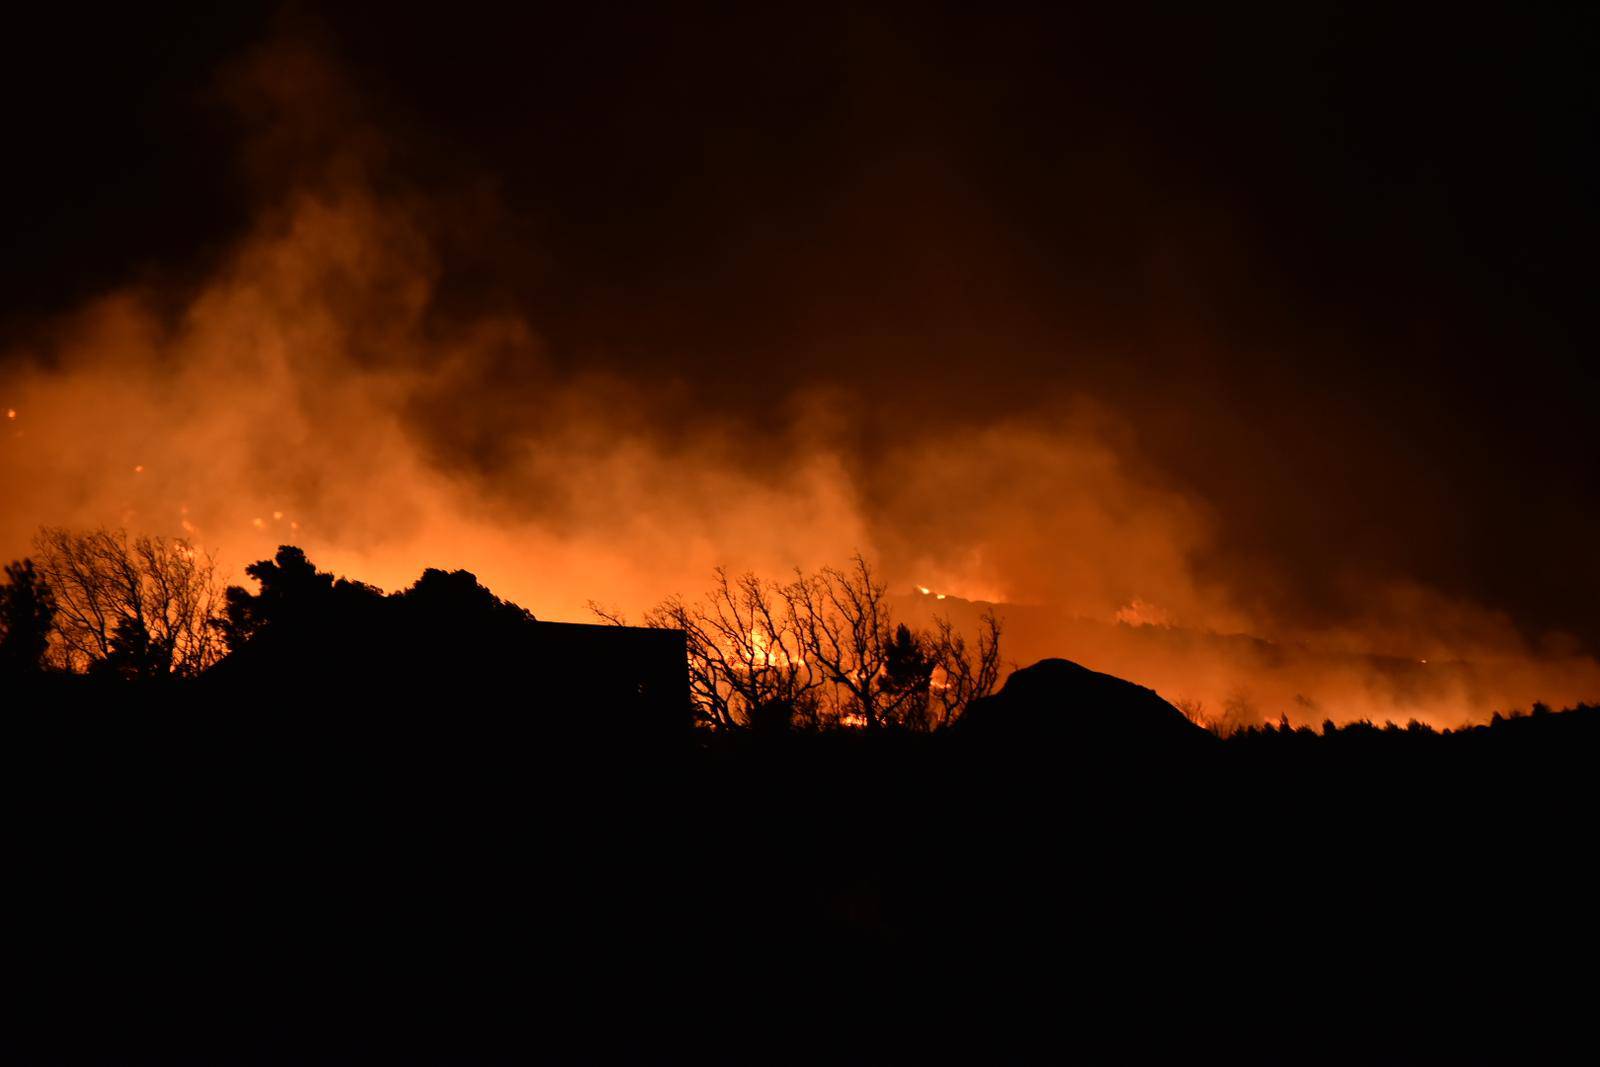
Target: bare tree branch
144,605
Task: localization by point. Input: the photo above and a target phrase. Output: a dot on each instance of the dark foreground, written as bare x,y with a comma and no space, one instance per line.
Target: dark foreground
337,879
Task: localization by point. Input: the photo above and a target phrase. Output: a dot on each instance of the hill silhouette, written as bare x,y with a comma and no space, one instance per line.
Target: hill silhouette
1061,702
427,827
1242,679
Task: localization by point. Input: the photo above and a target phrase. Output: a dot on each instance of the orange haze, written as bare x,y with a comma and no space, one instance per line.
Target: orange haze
311,390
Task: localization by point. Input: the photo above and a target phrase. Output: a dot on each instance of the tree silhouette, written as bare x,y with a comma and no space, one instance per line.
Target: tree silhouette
459,595
846,627
963,675
746,668
141,605
908,677
132,653
27,614
822,650
289,587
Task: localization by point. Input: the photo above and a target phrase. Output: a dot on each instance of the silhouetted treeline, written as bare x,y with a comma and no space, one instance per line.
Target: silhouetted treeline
371,833
822,651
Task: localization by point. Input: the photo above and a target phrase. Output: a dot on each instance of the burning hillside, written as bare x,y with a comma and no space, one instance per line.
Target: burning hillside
350,374
1231,680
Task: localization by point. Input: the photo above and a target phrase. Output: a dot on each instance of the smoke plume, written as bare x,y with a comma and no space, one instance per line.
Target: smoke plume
325,385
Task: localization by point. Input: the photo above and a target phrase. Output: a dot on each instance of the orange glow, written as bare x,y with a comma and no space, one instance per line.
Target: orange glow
763,652
312,374
1139,612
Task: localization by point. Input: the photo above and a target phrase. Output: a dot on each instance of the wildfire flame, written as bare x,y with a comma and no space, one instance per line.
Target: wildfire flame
314,374
765,652
1140,612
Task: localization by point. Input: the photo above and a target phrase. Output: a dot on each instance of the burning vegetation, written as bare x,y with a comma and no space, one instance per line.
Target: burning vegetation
325,382
824,650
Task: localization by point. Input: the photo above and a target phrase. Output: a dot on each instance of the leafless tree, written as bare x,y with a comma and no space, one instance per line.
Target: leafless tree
142,605
1239,712
825,650
1194,709
884,674
964,674
844,627
745,659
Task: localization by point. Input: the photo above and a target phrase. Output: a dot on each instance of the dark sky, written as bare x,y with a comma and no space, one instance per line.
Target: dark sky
1333,263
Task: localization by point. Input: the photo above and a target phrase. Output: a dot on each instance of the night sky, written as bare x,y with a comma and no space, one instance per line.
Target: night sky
1330,266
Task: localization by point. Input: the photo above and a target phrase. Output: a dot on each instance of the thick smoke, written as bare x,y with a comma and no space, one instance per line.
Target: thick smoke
317,388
